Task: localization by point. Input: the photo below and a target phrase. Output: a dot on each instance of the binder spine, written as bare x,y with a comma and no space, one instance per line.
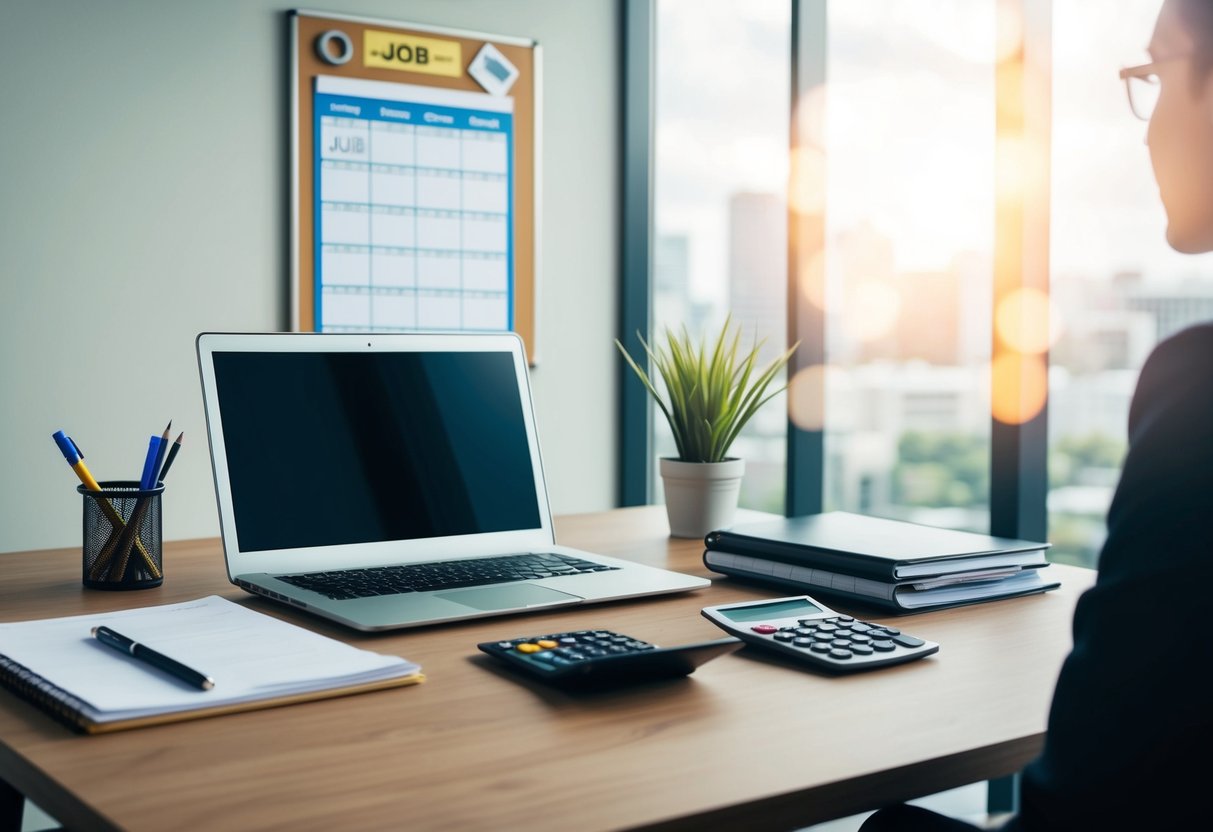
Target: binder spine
777,550
36,690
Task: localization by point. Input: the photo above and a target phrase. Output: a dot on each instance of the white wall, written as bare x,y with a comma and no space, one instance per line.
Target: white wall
143,185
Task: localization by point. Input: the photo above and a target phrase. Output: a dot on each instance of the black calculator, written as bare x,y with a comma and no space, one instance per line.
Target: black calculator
602,658
805,630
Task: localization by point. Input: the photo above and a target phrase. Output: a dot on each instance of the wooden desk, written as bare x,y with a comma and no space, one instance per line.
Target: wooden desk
745,742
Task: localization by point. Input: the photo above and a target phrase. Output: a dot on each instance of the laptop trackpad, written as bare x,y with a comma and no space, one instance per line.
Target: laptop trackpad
511,597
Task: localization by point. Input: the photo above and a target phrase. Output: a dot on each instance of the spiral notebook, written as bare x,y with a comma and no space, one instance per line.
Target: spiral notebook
255,660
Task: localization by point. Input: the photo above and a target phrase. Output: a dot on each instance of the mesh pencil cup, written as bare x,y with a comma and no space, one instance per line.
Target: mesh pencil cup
122,536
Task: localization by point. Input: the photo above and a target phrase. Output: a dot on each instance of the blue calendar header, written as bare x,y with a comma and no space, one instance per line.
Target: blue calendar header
403,112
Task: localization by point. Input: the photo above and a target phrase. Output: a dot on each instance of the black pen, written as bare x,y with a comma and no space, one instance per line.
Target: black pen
158,660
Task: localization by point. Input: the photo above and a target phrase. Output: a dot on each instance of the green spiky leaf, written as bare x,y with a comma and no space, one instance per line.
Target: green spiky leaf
712,389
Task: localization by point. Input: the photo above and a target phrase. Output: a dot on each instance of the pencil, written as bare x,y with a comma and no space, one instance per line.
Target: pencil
172,454
159,457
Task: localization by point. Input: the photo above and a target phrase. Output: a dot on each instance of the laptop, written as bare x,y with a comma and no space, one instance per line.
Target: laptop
392,480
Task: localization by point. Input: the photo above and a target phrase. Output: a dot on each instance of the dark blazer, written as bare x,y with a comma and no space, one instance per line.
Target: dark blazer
1130,741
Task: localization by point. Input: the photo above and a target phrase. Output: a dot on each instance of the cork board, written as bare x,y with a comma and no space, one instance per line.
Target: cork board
414,177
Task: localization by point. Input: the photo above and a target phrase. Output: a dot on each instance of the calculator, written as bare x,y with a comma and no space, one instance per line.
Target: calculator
602,658
807,631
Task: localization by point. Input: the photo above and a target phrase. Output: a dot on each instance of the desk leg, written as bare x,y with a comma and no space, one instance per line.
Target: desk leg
1003,795
12,807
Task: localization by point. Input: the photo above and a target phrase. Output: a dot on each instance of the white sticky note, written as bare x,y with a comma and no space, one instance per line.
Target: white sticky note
492,70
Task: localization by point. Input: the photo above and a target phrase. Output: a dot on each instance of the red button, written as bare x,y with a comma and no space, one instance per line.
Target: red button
765,629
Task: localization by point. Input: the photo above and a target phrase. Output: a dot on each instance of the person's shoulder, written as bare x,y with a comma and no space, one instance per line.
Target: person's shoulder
1188,354
1195,343
1177,379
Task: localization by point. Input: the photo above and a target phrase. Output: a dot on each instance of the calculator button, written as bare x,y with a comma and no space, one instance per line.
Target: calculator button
805,631
820,636
860,627
845,619
893,631
546,643
884,645
826,627
844,632
639,645
506,645
809,622
909,641
527,647
765,629
560,661
568,640
860,638
788,629
802,642
839,653
782,636
821,647
547,658
861,649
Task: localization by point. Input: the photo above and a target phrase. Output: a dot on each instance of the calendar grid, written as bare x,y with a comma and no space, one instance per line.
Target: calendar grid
413,218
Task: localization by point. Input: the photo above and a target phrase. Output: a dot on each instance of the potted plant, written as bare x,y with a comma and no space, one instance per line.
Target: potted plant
712,392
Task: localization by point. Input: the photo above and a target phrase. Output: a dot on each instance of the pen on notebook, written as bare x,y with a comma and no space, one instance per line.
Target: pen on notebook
172,454
146,654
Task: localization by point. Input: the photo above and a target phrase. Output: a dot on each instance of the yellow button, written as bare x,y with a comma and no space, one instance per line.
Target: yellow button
547,643
527,647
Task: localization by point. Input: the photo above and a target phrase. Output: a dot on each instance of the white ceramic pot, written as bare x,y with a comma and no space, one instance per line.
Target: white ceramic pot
701,496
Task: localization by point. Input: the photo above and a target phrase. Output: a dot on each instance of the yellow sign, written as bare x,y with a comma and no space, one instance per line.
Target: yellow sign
390,50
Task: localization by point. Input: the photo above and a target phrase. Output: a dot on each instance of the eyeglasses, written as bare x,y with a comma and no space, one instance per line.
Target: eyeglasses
1141,83
1143,86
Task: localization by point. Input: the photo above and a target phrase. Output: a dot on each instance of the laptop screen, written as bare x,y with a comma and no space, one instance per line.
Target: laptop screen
337,448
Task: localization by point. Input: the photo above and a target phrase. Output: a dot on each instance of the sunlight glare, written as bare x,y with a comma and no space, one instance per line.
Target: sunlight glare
807,181
1027,321
1020,384
806,398
813,278
1008,30
872,309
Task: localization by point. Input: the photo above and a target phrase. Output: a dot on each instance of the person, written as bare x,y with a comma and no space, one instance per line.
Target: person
1130,731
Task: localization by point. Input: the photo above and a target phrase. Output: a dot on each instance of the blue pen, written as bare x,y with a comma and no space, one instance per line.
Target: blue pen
147,481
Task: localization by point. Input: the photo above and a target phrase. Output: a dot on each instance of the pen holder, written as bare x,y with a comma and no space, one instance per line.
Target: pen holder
122,536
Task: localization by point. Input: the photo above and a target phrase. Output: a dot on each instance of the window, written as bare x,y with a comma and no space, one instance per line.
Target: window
909,149
1117,288
723,72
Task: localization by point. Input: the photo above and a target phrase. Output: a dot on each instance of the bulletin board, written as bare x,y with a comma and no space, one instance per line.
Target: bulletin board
415,178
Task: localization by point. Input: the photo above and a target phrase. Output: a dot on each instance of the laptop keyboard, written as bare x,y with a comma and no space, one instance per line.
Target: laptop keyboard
427,577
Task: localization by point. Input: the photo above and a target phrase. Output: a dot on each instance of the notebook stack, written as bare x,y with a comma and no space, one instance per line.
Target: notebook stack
890,564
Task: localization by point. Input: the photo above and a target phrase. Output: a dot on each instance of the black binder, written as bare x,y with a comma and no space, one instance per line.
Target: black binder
904,567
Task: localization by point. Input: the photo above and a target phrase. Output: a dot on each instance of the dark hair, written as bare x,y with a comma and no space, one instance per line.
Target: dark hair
1197,18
